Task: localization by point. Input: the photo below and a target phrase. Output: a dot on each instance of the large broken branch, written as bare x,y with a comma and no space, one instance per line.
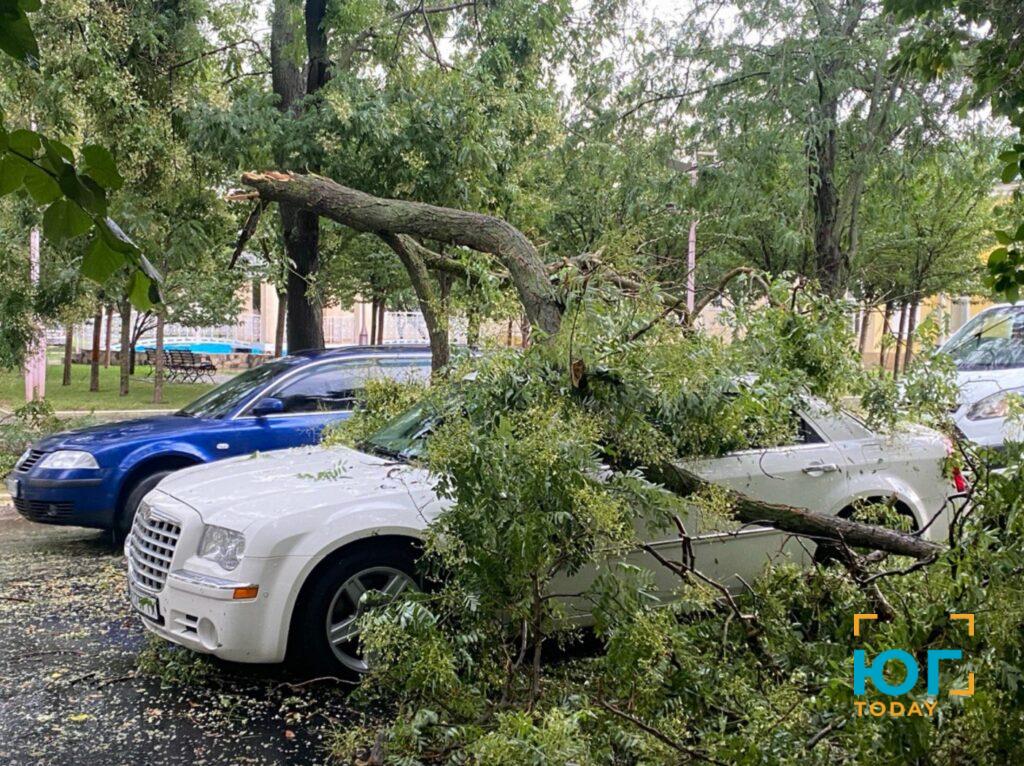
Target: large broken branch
682,481
364,212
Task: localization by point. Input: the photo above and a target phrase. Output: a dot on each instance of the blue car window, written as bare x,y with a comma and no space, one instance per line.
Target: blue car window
227,396
326,388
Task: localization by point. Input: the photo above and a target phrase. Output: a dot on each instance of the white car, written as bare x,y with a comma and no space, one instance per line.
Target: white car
989,355
252,558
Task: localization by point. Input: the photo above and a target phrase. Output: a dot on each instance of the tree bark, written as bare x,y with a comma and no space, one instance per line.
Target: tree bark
282,312
681,481
380,320
106,352
883,352
69,340
366,213
900,335
865,323
126,340
305,318
300,229
908,352
407,250
158,363
374,314
473,328
94,361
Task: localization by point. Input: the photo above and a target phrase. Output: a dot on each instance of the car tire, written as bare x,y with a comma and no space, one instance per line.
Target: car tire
126,514
327,603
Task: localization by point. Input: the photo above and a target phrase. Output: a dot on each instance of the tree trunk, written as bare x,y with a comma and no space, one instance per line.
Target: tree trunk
865,323
158,362
830,262
301,228
282,312
473,328
106,352
94,361
398,218
374,313
69,340
380,321
126,340
429,301
305,318
908,353
897,358
884,334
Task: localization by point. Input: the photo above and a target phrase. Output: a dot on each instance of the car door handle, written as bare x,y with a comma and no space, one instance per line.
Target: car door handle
817,469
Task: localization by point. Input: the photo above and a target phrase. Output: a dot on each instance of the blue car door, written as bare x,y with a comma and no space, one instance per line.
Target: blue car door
325,393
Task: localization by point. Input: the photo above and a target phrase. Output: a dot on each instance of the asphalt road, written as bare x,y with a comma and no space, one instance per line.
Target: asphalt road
72,690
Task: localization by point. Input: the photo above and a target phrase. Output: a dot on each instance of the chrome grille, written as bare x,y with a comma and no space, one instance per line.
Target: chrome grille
151,548
31,460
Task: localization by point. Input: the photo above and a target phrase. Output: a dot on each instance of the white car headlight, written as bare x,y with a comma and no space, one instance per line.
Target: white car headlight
222,546
995,405
69,458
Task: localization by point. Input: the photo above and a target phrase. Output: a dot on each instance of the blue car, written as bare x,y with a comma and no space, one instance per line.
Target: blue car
96,477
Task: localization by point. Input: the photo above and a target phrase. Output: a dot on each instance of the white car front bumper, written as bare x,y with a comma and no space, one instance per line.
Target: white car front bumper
201,612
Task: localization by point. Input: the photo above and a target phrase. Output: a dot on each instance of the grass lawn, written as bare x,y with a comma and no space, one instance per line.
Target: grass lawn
78,397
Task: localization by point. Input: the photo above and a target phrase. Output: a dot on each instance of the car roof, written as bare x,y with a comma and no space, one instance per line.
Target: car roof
397,349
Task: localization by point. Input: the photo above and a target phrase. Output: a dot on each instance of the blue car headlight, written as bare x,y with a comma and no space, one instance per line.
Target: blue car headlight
222,546
69,458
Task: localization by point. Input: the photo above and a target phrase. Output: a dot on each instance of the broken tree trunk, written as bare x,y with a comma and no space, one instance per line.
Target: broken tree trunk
681,481
483,233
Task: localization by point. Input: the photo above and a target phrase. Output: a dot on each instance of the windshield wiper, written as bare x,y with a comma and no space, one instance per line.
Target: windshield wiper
376,449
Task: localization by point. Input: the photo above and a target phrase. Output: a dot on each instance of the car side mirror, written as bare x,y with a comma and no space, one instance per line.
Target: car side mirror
268,405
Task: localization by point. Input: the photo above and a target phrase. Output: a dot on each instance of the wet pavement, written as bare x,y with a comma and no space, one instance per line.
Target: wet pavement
72,690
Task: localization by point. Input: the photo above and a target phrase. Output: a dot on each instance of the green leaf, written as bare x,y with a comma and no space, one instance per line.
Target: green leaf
12,172
1010,172
997,257
30,6
4,139
1019,235
65,220
58,152
101,261
1003,238
100,165
16,37
138,291
24,142
40,185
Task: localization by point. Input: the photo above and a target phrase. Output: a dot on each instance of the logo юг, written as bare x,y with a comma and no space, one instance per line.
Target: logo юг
863,671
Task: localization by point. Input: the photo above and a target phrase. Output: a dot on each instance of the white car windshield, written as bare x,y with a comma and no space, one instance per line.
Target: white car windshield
404,437
993,340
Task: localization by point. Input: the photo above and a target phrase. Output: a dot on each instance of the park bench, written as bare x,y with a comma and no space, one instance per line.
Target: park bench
183,366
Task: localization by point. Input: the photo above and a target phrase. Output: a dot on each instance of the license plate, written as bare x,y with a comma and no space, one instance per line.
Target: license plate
14,487
145,605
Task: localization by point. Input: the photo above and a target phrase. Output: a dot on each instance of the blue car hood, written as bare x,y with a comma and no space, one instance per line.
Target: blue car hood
123,432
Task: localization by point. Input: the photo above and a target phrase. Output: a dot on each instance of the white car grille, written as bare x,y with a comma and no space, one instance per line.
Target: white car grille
151,548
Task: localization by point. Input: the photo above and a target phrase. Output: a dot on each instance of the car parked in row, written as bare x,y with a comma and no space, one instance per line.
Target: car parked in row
97,476
254,558
989,355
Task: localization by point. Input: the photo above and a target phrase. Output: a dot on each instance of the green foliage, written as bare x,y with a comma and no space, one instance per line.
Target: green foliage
537,456
380,401
172,665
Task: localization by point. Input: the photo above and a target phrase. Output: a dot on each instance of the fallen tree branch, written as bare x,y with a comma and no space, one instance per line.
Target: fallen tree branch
364,212
684,482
